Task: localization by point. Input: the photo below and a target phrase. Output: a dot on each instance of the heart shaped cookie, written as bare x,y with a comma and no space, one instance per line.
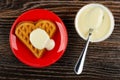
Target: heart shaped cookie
23,30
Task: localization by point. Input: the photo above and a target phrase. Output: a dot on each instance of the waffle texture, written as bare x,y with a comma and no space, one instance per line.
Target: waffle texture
23,30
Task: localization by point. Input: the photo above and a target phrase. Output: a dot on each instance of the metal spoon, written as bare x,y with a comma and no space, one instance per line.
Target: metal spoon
79,65
93,23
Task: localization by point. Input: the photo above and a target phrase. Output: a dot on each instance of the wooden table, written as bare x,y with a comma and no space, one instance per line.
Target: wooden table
102,61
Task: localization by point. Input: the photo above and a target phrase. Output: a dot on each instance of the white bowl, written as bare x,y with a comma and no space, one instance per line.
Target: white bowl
109,14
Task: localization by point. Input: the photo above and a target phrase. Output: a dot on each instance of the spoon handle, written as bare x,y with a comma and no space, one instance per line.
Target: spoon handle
79,65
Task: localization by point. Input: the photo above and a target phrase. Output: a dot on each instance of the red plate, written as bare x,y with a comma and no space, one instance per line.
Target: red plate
49,57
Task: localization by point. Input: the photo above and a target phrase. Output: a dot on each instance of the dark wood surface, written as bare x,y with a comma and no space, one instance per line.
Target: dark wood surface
102,61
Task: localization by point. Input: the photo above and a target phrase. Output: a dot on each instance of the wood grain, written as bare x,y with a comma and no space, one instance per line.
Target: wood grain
102,61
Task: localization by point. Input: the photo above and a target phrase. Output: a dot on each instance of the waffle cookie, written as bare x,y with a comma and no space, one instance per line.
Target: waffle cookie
23,30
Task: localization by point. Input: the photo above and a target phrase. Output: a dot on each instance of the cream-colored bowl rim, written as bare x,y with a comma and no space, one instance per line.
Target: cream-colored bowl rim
109,13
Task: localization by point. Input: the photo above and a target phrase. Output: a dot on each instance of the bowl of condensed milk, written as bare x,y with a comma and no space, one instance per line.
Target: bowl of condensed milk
101,19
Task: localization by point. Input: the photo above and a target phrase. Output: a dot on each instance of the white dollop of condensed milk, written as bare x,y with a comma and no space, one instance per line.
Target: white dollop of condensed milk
94,17
40,39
